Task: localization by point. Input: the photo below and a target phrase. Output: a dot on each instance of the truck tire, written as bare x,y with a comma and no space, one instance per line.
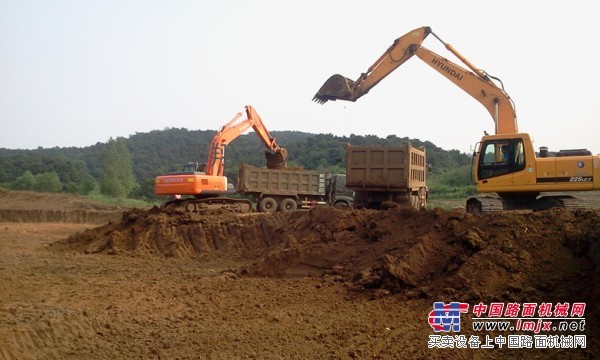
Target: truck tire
341,205
190,207
267,204
288,204
414,201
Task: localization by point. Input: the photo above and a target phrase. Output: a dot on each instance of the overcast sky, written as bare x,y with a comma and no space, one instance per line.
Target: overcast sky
74,73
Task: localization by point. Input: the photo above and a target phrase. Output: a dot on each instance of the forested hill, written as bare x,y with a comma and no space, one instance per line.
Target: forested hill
163,151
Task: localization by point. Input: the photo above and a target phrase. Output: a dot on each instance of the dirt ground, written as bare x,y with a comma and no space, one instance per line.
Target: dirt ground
323,283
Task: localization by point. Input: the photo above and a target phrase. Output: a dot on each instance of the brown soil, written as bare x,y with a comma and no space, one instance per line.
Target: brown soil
324,283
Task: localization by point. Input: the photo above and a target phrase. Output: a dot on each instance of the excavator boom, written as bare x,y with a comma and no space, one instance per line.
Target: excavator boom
482,89
476,82
276,156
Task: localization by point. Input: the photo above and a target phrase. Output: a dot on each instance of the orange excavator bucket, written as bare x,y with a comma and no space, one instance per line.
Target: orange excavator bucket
337,87
276,159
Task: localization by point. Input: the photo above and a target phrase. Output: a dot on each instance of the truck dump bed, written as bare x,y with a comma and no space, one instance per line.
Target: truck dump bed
280,182
385,168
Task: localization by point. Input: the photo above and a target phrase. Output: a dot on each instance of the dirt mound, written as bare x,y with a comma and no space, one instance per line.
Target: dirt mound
430,254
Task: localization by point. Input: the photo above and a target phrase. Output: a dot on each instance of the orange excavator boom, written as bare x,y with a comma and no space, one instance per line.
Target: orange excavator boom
276,156
476,82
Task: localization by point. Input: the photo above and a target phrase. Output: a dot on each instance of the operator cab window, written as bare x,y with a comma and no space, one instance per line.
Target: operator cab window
500,157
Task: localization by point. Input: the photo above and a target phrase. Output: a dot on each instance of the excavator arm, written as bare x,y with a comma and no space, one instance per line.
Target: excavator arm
338,87
276,156
476,82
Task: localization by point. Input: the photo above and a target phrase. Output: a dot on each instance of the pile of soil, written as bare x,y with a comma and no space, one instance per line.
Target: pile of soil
435,254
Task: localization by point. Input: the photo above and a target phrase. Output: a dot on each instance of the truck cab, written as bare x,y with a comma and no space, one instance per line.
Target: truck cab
337,194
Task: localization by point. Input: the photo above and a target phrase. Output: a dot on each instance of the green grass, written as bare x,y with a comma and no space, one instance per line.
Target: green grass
119,201
445,203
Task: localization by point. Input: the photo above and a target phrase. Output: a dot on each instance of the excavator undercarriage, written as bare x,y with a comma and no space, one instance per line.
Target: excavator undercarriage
198,205
487,204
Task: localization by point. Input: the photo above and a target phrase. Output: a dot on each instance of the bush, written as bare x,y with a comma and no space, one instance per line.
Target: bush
48,182
452,184
23,182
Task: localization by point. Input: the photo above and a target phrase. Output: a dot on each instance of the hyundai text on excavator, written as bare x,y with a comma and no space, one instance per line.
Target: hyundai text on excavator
504,163
209,185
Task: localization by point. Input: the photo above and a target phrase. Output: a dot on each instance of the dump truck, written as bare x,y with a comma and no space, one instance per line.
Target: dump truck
387,175
291,189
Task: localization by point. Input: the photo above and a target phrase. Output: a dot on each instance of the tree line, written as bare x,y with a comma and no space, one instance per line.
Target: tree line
125,167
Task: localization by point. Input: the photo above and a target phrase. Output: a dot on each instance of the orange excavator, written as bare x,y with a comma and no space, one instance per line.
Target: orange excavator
504,163
208,186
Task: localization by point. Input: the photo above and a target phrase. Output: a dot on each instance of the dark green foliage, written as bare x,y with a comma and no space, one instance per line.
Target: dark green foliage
73,173
116,176
455,183
48,182
44,182
24,182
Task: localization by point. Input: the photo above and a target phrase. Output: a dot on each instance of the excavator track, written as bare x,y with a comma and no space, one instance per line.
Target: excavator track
563,201
480,205
193,205
573,203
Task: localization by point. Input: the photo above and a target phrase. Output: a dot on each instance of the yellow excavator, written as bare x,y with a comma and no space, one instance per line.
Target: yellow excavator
505,163
208,186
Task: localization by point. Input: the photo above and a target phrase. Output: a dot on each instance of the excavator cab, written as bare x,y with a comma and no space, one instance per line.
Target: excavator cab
500,156
192,167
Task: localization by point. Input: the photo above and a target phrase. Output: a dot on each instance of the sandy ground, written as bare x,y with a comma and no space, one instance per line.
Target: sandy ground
323,283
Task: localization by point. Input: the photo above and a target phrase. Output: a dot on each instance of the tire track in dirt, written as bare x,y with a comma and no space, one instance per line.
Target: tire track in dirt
39,328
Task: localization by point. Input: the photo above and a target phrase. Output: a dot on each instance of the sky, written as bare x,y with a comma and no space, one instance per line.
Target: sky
75,73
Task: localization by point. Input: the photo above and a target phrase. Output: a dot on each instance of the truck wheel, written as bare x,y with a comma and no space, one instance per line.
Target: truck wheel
288,204
414,201
190,207
341,205
267,204
423,195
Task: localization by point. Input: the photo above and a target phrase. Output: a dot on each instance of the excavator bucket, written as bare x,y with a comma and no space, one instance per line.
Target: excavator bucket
337,87
276,159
